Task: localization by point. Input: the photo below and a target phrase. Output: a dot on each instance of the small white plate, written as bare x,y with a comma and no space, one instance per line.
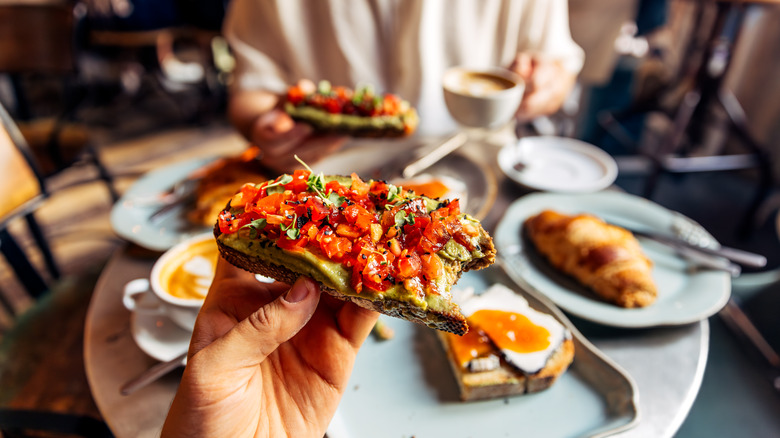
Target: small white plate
158,336
130,217
557,164
685,294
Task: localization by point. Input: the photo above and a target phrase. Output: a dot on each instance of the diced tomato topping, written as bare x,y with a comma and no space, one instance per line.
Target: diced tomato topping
408,264
384,242
245,195
316,208
332,105
295,95
229,224
333,246
349,231
292,244
432,266
358,188
299,182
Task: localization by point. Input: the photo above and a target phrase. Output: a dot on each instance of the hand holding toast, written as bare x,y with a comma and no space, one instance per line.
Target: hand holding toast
266,360
257,116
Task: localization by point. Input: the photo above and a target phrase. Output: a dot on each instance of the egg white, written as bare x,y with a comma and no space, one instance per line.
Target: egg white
500,297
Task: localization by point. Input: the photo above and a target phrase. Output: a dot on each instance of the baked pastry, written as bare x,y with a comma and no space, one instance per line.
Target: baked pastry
511,348
358,113
371,243
219,181
606,258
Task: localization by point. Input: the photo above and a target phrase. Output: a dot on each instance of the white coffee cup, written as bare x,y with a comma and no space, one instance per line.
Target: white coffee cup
178,283
482,97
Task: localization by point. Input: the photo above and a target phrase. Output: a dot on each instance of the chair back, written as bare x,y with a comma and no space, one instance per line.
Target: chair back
20,182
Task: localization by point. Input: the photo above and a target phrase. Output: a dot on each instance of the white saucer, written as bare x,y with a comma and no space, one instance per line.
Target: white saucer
158,336
557,164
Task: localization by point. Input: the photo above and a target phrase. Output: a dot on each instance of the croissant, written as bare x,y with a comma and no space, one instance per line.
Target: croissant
605,258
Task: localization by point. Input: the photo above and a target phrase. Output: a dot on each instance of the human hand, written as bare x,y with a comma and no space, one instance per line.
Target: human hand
266,360
547,84
256,114
281,139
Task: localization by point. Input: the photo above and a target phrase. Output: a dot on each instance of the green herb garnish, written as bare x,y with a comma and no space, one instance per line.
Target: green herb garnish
254,227
316,183
284,179
291,230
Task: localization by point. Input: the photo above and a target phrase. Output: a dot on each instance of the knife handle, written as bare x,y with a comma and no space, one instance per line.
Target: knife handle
744,258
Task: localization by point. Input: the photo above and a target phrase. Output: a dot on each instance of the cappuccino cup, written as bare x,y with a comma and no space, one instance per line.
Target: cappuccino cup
179,282
482,97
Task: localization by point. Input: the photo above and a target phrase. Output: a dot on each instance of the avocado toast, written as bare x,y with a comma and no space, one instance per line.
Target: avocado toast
368,242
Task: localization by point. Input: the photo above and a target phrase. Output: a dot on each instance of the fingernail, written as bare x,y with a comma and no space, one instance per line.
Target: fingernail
299,291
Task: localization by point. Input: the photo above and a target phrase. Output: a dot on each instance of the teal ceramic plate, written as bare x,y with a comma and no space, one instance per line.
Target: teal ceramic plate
685,294
130,216
403,387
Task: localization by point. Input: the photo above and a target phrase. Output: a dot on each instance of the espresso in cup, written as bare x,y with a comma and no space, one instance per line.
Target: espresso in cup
482,97
188,273
475,83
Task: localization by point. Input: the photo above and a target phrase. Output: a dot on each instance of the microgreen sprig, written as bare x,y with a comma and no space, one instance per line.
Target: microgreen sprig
291,230
254,227
316,183
284,179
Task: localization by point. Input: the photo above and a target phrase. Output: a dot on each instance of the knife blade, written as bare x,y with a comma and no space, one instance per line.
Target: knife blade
434,155
152,374
744,258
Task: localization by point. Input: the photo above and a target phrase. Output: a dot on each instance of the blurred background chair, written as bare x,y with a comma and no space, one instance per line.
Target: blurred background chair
38,40
23,191
27,405
697,104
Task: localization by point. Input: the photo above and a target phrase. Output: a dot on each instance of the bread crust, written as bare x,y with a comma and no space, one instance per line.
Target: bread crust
506,380
449,321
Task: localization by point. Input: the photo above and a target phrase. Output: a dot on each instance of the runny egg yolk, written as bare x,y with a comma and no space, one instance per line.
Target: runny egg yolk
472,345
511,331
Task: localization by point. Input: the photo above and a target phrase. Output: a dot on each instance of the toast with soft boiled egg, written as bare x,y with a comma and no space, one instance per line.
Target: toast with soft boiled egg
511,348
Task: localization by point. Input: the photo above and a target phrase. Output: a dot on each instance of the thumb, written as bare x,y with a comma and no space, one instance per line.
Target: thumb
260,334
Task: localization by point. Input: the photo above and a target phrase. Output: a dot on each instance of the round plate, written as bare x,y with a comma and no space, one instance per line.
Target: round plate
377,161
158,336
557,164
685,294
130,216
595,397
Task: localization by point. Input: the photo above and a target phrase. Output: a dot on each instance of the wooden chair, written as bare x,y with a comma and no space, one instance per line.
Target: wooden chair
33,405
23,191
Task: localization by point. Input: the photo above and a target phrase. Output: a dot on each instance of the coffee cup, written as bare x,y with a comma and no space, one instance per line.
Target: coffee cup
179,282
482,97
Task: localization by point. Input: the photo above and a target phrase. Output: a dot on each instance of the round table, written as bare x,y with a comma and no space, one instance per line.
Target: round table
666,363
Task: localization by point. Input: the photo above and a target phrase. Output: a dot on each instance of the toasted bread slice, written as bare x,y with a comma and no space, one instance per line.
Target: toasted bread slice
389,266
357,113
507,380
511,348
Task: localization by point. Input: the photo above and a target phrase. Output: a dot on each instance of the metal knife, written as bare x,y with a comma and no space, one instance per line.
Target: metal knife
152,374
434,155
744,258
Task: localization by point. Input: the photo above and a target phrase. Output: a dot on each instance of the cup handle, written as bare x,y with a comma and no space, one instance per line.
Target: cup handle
148,303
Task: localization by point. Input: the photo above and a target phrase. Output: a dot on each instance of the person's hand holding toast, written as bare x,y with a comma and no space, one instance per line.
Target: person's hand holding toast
266,359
